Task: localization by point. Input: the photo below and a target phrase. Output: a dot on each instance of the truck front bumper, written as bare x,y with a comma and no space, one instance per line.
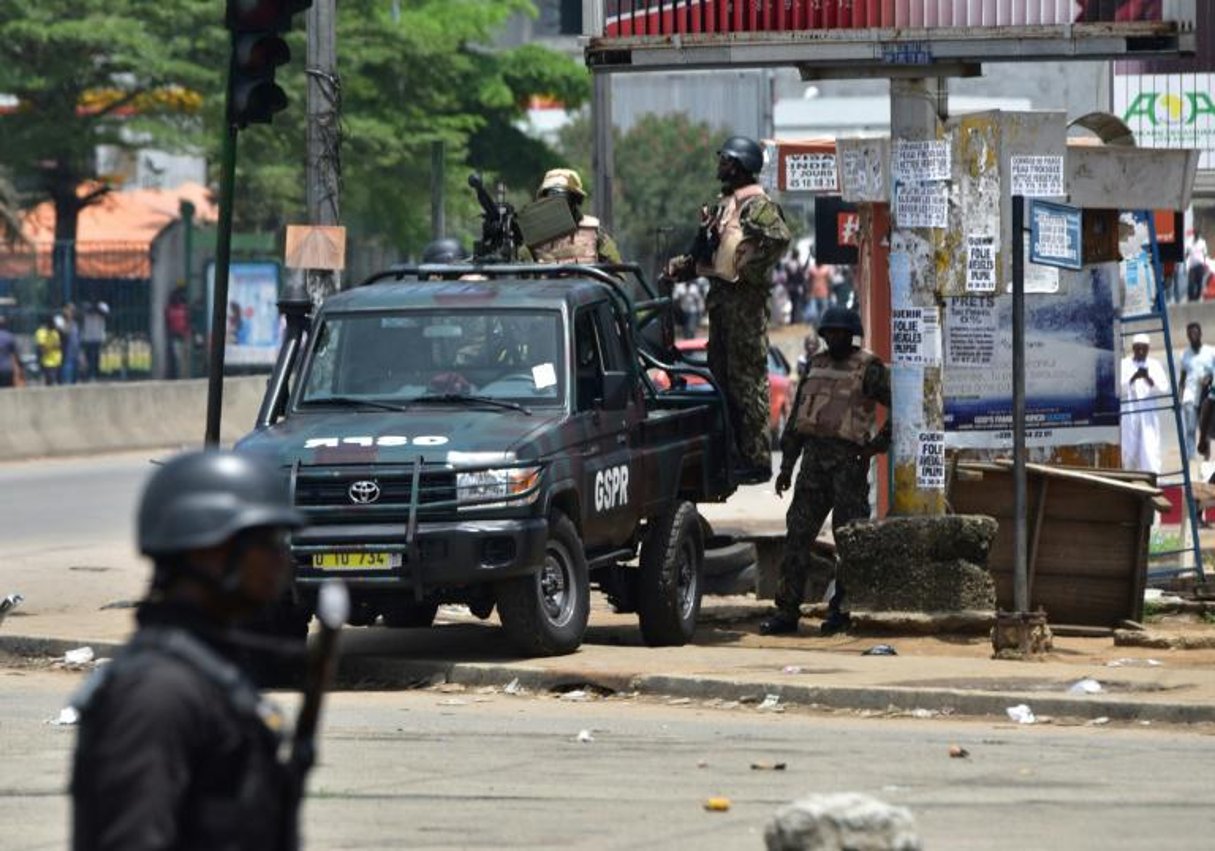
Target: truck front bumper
464,552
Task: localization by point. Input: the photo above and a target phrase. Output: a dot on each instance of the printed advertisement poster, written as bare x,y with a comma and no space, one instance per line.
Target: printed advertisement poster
916,336
254,326
918,161
810,173
1070,366
980,263
922,205
930,461
1037,176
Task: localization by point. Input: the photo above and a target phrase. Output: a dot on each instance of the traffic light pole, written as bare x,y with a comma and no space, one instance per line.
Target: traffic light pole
219,299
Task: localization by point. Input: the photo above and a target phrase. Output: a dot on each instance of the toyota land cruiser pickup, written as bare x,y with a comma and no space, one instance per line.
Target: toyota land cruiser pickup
488,435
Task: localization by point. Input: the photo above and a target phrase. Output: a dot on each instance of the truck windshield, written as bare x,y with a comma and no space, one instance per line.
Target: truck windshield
507,355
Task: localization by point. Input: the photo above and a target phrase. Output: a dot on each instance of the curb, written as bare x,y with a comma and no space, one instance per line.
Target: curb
387,673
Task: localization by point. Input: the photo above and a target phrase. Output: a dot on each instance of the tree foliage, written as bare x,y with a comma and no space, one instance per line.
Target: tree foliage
97,72
665,170
131,73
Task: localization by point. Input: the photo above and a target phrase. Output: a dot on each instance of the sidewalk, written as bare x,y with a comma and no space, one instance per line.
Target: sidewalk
729,661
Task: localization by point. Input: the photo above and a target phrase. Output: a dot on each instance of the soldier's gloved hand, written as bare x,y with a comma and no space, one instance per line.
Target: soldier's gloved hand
680,268
783,481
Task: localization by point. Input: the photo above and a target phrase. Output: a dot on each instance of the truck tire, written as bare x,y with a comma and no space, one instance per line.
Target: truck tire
408,614
545,613
671,586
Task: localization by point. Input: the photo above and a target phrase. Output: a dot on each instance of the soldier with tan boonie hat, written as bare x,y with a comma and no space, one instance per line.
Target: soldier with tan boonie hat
586,242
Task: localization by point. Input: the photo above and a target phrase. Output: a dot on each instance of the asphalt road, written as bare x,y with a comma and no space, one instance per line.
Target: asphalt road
431,769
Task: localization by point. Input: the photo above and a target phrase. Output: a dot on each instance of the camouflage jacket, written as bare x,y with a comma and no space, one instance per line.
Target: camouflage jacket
605,247
765,238
827,452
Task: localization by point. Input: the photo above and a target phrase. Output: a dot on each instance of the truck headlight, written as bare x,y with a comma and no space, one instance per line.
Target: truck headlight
511,486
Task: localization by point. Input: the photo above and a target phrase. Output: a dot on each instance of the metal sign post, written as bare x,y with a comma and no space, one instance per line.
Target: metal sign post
1020,536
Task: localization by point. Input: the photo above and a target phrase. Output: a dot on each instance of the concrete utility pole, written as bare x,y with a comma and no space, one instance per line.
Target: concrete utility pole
916,109
324,178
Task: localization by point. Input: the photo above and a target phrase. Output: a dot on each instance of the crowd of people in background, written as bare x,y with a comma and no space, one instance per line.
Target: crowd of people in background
67,348
802,291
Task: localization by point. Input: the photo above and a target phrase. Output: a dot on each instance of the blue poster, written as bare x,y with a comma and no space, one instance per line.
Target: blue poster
254,328
1070,365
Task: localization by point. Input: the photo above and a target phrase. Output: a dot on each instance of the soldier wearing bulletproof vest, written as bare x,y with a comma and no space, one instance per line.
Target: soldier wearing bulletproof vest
739,241
177,748
833,430
588,242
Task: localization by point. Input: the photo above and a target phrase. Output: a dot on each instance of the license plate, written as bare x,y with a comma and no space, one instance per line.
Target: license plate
356,561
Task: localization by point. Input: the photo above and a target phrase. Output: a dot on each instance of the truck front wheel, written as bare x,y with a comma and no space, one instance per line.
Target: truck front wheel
671,556
545,614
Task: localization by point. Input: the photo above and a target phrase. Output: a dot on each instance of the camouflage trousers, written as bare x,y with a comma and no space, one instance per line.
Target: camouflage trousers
842,486
738,359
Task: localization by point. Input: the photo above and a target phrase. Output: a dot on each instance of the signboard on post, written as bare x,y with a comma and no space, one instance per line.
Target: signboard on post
254,329
1055,235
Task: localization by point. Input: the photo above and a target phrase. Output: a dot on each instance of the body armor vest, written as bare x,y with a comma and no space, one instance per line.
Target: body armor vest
727,225
834,403
579,246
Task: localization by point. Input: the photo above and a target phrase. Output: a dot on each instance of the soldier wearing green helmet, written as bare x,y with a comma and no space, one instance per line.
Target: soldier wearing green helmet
834,431
588,243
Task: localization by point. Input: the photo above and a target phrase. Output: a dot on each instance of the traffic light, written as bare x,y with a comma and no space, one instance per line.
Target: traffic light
257,49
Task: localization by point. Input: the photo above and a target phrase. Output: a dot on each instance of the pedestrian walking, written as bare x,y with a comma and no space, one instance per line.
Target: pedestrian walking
49,344
1197,269
72,354
689,307
177,324
10,358
794,276
1145,386
833,431
1197,370
92,337
739,241
177,748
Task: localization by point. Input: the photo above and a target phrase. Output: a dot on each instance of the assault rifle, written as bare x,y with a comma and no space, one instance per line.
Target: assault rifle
500,236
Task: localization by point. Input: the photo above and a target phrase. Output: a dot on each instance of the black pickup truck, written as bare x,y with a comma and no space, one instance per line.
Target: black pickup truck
489,435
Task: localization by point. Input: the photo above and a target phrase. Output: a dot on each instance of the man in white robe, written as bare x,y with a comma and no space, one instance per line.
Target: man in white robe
1145,390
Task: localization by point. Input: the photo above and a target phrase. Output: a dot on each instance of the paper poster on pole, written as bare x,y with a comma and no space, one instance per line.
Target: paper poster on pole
922,160
980,263
921,205
916,336
863,169
970,332
810,173
1037,176
1137,285
930,461
907,392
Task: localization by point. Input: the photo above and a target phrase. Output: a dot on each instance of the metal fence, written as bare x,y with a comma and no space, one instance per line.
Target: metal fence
114,273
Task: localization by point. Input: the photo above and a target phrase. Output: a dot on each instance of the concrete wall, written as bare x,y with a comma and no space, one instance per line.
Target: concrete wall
87,418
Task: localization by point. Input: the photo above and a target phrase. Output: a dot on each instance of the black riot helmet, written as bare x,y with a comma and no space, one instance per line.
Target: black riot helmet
202,499
746,152
844,319
444,250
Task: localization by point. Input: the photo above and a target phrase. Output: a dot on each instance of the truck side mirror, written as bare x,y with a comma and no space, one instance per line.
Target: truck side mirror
616,387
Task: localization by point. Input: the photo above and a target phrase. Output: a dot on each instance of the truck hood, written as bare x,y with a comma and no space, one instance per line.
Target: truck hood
439,434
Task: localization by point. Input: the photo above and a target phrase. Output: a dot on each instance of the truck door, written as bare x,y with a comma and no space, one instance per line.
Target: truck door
610,504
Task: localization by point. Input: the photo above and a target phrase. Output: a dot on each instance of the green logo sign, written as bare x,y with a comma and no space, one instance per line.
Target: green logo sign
1169,108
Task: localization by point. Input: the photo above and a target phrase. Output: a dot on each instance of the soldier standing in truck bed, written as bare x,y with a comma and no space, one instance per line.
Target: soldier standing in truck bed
740,240
832,429
588,243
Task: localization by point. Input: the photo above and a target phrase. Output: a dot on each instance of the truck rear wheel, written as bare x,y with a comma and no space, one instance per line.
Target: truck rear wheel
671,587
545,614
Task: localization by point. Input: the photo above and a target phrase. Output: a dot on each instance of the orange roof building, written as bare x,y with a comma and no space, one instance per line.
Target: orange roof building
114,236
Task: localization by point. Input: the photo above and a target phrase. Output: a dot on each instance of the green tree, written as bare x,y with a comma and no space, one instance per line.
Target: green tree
431,75
97,72
665,170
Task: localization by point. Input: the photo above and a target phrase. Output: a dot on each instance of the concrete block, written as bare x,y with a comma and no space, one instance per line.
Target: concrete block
846,821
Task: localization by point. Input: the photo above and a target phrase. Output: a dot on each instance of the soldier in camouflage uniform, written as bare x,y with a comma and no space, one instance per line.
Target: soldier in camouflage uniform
833,431
589,243
740,240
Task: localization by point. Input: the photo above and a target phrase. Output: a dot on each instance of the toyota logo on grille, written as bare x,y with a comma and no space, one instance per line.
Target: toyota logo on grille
364,492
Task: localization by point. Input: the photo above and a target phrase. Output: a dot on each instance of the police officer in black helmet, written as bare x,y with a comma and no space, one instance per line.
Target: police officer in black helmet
177,748
445,249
